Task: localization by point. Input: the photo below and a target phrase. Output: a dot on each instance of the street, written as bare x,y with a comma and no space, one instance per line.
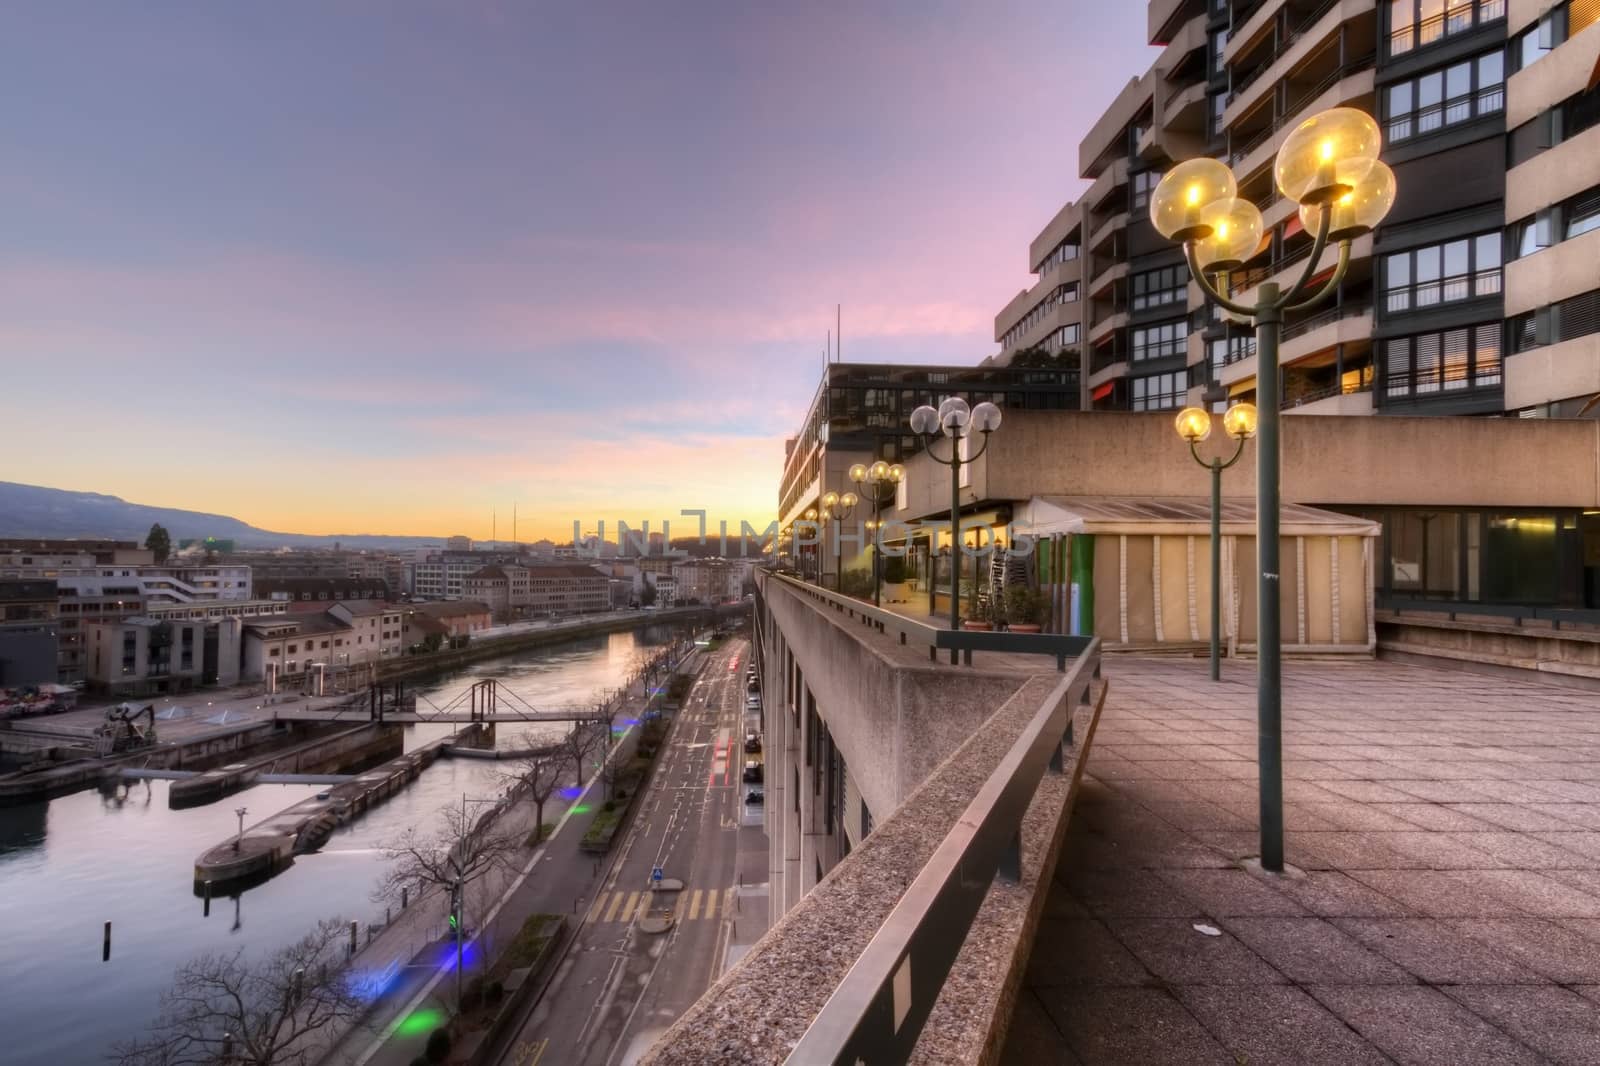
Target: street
621,986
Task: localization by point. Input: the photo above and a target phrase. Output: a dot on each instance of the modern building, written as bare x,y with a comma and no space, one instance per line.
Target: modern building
144,656
568,588
28,552
1476,296
29,632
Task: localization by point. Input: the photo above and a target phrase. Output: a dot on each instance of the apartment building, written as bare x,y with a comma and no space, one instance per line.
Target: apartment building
502,589
567,589
29,631
374,625
711,580
1486,110
317,593
143,656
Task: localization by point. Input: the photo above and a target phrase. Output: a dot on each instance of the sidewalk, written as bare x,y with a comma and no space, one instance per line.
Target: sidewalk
411,963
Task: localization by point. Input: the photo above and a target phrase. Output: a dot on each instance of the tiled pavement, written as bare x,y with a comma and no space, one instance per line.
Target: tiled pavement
1449,827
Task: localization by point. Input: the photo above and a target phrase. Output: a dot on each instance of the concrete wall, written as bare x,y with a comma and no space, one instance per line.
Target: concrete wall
893,716
1342,460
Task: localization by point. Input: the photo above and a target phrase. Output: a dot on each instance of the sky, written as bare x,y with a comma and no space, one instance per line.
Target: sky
399,267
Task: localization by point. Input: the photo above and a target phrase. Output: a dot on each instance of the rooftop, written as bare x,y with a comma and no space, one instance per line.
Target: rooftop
367,608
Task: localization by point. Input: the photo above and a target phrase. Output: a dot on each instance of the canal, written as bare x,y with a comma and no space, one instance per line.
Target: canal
70,865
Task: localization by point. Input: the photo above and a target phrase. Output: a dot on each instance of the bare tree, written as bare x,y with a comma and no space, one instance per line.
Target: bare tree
459,850
264,1012
537,775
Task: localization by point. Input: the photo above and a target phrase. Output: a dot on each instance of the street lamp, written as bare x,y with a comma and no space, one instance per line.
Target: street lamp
238,840
1329,166
811,517
838,507
956,421
1194,426
870,482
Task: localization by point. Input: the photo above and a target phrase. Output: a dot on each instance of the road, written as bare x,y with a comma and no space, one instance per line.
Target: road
620,986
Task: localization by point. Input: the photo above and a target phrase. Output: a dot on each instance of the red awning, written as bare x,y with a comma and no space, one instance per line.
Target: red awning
1101,391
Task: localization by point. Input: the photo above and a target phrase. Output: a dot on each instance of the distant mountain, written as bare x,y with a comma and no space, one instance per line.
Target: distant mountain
35,511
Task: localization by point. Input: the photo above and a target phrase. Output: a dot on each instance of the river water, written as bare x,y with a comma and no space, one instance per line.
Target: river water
69,865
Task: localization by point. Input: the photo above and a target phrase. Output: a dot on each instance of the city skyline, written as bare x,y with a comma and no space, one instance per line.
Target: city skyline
453,263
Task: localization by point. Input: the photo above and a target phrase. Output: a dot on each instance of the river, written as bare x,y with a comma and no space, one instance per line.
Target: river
69,865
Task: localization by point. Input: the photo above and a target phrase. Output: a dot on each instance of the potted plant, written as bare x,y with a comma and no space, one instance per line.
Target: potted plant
978,615
1026,609
894,578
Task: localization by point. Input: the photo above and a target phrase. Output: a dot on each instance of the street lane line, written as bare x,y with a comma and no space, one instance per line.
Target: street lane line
616,901
694,905
598,908
727,903
644,906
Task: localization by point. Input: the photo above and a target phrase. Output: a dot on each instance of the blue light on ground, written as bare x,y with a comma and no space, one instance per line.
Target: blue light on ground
630,721
468,950
571,792
369,986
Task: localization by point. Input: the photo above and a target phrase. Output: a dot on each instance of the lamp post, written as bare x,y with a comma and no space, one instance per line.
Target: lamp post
1329,166
838,508
240,812
811,518
870,482
956,421
1194,426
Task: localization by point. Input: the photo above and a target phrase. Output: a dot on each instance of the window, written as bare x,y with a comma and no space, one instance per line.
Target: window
1462,91
1158,288
1417,23
1158,392
1158,342
1142,184
1432,364
1462,269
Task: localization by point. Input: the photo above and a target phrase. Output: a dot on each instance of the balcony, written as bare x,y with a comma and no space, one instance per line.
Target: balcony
1348,85
928,920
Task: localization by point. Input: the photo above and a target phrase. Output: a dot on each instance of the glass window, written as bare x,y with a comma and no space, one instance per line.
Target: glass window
1486,355
1456,358
1426,376
1486,256
1397,269
1427,265
1430,21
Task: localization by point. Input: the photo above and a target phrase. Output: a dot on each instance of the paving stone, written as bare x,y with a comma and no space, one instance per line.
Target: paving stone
1177,953
1081,951
1435,952
1033,1037
1433,816
1553,1021
1519,816
1332,894
1550,894
1557,951
1526,851
1132,893
1277,1025
1423,1027
1312,951
1222,893
1121,1026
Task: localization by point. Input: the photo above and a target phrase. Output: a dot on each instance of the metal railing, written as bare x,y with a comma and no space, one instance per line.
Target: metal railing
1323,393
1288,42
960,643
877,1012
1292,112
1517,612
1316,322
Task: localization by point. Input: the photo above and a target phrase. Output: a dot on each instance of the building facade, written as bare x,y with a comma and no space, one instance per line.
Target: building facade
145,656
29,632
1477,295
318,593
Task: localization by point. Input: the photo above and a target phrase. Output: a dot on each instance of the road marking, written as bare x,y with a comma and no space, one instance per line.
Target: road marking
596,910
727,903
526,1054
616,899
694,905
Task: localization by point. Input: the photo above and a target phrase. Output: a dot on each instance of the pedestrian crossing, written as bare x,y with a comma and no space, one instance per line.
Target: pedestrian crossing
688,905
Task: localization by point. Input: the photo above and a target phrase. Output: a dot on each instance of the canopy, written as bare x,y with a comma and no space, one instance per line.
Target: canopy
1044,516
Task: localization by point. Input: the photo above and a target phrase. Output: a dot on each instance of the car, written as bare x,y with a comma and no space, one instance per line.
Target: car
752,742
752,772
756,797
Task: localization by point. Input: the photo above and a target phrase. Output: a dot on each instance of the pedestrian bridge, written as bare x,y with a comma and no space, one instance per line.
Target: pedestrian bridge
484,701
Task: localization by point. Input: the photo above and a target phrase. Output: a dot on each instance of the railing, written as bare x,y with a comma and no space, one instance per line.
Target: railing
1517,612
1323,393
1292,112
877,1012
1456,287
959,642
1433,118
1288,42
1317,321
1461,17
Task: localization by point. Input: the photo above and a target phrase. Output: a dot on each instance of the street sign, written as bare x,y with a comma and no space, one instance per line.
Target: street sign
655,874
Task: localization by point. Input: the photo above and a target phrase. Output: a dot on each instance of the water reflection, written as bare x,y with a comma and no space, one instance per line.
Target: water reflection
120,854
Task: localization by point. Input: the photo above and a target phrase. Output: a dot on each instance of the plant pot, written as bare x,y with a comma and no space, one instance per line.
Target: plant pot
974,623
1023,627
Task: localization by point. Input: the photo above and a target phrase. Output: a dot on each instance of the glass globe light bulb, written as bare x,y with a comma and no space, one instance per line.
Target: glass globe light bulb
879,471
1184,192
1236,228
1240,421
986,417
897,473
1194,424
858,473
1358,211
924,420
1308,165
849,500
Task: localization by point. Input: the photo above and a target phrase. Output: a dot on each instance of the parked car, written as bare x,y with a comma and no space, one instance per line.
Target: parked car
752,741
756,797
752,773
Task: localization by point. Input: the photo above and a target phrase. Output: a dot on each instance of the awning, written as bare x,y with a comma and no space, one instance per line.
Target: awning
1239,388
1044,516
1101,391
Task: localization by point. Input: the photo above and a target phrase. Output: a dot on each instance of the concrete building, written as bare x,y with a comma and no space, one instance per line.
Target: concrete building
287,648
504,589
1476,296
144,656
710,580
374,625
458,544
29,632
570,588
27,552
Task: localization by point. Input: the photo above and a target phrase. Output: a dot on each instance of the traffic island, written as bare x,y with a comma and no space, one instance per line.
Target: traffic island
658,923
